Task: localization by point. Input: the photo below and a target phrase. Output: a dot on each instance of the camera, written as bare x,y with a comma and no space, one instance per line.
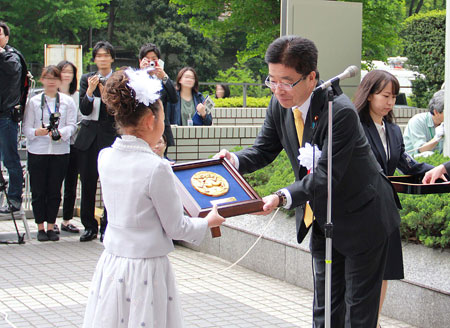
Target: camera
153,64
102,79
53,126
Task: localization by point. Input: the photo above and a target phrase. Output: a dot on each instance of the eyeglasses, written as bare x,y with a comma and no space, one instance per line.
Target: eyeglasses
282,85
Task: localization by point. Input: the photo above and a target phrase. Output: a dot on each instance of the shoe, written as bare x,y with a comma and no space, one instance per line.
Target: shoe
56,229
42,236
88,235
7,209
70,228
52,235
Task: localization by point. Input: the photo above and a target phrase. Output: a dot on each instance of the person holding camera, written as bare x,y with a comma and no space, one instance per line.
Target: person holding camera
190,108
10,93
150,59
97,132
49,122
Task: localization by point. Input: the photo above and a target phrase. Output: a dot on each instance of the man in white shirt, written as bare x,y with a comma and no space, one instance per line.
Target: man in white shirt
425,131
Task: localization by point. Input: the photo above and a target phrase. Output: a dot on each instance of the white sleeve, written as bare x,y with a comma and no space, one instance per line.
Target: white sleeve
70,125
163,192
28,120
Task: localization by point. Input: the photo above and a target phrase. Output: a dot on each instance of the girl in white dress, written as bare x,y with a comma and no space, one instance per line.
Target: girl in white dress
134,285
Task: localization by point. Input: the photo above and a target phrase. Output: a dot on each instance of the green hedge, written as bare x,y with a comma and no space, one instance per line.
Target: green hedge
425,218
239,102
423,38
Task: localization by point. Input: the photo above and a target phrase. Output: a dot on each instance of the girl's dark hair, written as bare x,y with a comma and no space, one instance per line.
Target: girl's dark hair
373,83
180,75
74,83
121,103
52,70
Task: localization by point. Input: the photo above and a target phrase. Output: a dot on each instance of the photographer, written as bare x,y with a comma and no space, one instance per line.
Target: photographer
97,132
49,122
10,93
150,57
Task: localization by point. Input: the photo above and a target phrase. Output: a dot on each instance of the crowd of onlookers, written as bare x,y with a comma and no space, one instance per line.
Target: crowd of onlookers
67,125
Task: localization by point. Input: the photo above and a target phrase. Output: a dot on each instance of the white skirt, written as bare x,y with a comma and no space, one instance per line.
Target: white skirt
133,293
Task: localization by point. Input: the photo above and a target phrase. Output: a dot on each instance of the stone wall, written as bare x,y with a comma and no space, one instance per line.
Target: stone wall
236,127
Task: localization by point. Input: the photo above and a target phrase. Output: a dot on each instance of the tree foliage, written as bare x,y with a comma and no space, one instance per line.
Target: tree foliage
423,6
34,23
380,27
136,22
257,21
424,45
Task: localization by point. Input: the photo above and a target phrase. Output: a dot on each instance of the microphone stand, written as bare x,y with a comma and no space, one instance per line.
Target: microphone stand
328,228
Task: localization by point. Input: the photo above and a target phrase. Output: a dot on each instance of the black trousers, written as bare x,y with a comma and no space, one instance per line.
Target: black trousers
87,166
46,176
70,184
355,284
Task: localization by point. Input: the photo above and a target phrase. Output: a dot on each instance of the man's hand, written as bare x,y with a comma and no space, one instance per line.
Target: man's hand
225,154
92,85
432,175
271,202
439,131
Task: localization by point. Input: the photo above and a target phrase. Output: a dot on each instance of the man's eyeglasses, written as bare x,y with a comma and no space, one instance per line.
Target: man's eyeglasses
282,85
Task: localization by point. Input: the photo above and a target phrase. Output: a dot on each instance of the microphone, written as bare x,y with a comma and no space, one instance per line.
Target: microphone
349,72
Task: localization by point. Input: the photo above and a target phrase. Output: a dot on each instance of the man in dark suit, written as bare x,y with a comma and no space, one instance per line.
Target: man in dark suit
364,207
97,132
150,56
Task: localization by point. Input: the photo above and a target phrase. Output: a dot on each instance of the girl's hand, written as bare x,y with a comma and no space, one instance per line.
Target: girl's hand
214,218
41,132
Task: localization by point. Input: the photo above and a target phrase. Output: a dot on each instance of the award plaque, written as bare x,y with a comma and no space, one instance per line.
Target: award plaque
201,184
412,184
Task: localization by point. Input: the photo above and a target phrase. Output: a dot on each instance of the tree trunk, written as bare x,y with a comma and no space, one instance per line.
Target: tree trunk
419,6
111,20
411,6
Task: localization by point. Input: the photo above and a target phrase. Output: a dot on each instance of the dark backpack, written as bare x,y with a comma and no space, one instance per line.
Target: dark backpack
25,83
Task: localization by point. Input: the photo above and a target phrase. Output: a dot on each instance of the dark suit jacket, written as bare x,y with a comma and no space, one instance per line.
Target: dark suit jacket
364,204
168,95
398,158
102,131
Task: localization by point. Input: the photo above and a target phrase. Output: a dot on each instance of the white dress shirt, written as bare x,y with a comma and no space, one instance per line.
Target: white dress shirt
34,117
144,209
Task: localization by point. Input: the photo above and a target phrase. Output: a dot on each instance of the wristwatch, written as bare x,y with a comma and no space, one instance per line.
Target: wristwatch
282,200
165,78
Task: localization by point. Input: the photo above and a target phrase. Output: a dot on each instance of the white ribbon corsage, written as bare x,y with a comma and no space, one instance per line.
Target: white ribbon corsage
309,155
146,89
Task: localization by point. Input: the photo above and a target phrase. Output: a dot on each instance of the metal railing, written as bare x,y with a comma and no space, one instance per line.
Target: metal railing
244,85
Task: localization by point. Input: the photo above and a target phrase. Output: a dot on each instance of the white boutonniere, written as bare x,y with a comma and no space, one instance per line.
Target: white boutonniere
309,155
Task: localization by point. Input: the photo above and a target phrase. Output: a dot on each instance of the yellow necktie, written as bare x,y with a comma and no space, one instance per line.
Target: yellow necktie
308,215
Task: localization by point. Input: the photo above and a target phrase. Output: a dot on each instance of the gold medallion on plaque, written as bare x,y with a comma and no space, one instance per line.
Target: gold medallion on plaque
210,183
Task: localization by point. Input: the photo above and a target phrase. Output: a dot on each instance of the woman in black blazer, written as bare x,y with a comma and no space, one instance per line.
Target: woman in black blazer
374,100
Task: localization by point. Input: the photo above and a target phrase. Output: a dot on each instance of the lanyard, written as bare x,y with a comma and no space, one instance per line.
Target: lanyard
44,102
